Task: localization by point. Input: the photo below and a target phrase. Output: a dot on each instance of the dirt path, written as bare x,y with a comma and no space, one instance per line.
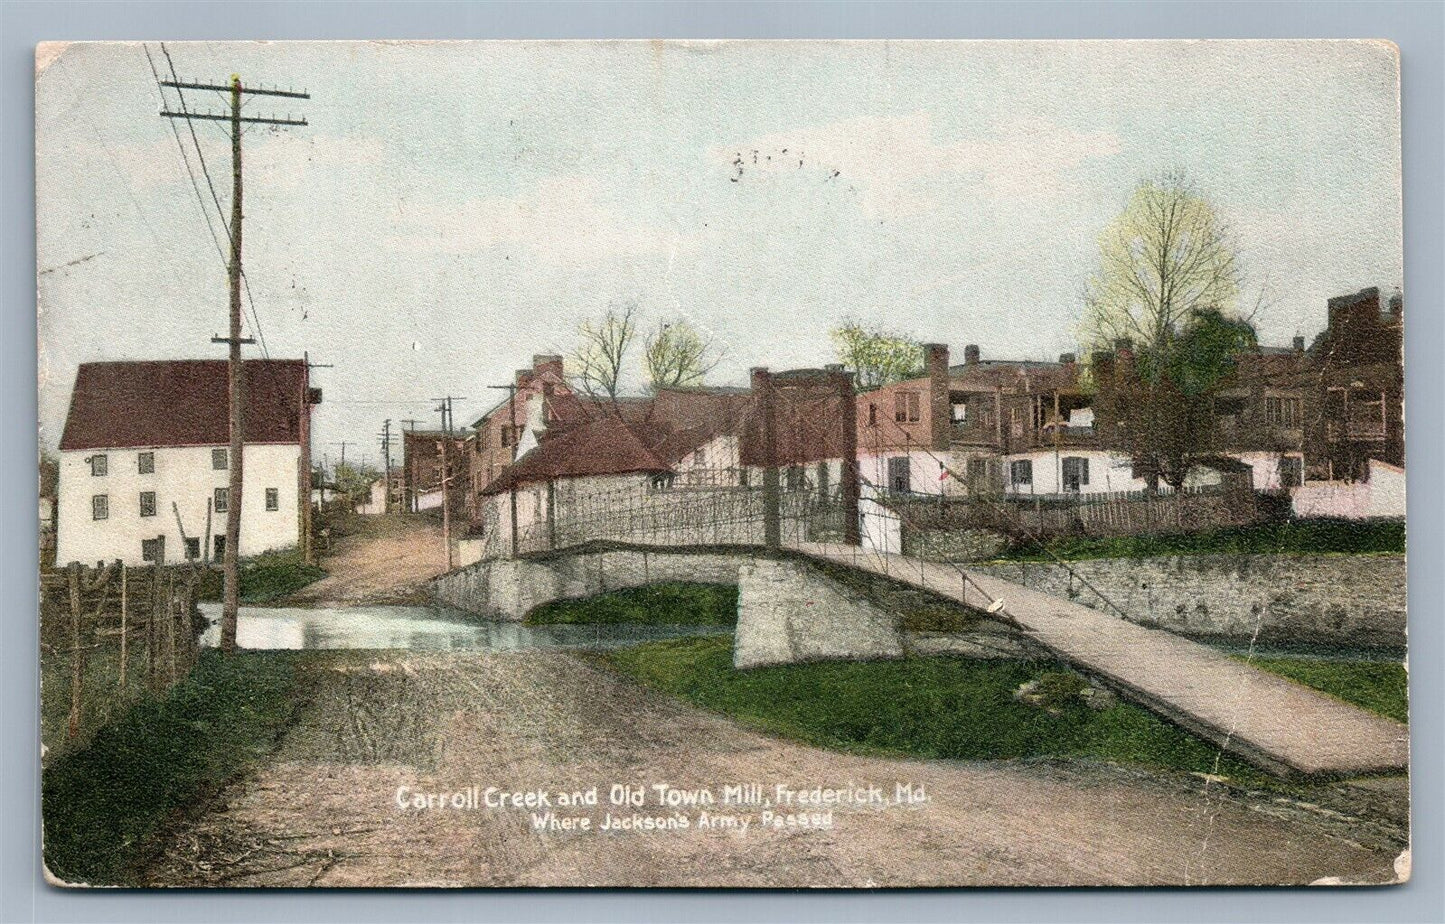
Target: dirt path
324,810
384,560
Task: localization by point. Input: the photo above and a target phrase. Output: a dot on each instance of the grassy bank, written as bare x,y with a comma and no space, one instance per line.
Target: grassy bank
1295,537
102,696
102,805
1379,686
267,577
948,708
669,603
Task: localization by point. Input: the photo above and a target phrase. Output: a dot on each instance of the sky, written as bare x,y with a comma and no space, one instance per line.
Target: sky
453,208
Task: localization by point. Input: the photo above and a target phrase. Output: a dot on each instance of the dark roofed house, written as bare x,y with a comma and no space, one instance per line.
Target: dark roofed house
145,460
679,439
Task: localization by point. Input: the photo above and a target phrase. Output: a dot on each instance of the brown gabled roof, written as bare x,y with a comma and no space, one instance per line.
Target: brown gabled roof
604,446
121,405
1268,367
992,373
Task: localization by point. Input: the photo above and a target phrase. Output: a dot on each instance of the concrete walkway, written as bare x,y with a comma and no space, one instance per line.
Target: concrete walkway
1275,723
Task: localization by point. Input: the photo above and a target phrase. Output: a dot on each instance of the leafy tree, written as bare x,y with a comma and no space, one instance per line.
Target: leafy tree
602,349
354,481
876,357
1163,405
676,354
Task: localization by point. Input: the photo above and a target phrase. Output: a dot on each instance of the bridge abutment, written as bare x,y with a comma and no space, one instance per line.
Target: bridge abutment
510,588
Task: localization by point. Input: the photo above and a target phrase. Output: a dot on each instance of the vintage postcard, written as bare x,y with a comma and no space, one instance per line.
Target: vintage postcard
721,464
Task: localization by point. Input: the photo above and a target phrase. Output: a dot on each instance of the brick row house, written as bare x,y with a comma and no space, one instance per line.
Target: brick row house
1028,427
423,455
145,462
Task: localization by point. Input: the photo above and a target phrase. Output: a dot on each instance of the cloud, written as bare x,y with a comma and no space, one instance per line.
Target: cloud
887,160
560,219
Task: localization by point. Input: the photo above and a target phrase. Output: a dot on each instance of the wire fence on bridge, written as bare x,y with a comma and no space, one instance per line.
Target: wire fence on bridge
675,517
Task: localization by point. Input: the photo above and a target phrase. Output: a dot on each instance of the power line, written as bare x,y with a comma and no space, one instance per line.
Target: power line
177,84
380,401
185,159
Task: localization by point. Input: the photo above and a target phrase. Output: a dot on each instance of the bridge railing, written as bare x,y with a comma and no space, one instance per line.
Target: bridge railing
680,517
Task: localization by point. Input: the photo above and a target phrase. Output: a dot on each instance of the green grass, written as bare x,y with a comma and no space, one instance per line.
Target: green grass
668,603
1379,686
102,697
939,708
1290,537
267,577
102,805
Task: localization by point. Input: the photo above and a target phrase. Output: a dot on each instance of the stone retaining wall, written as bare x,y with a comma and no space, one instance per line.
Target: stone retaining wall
1338,600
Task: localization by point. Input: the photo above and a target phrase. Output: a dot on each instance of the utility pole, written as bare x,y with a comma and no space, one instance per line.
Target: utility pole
444,405
308,549
444,447
386,466
343,444
762,391
512,491
234,370
409,474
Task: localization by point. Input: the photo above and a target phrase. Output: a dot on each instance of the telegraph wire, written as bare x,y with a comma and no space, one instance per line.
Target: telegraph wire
185,159
205,171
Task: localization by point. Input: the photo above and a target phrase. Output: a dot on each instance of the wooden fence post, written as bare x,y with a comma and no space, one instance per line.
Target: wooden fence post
124,625
152,630
171,626
77,668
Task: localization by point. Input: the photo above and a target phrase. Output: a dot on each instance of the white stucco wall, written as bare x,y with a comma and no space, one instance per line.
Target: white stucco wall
923,471
1264,467
713,464
183,476
375,502
1108,472
1383,495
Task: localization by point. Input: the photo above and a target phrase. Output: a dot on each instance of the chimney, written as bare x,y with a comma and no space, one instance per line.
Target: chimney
1124,353
939,409
1299,343
1397,305
521,377
547,362
1067,359
970,354
1103,363
833,367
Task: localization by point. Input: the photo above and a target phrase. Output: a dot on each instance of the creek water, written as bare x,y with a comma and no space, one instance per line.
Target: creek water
420,628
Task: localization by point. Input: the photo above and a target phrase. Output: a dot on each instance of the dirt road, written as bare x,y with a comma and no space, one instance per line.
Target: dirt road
324,810
384,559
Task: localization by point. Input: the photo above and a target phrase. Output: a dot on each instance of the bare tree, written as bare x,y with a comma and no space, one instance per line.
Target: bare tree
1165,292
876,357
674,353
602,349
1164,258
